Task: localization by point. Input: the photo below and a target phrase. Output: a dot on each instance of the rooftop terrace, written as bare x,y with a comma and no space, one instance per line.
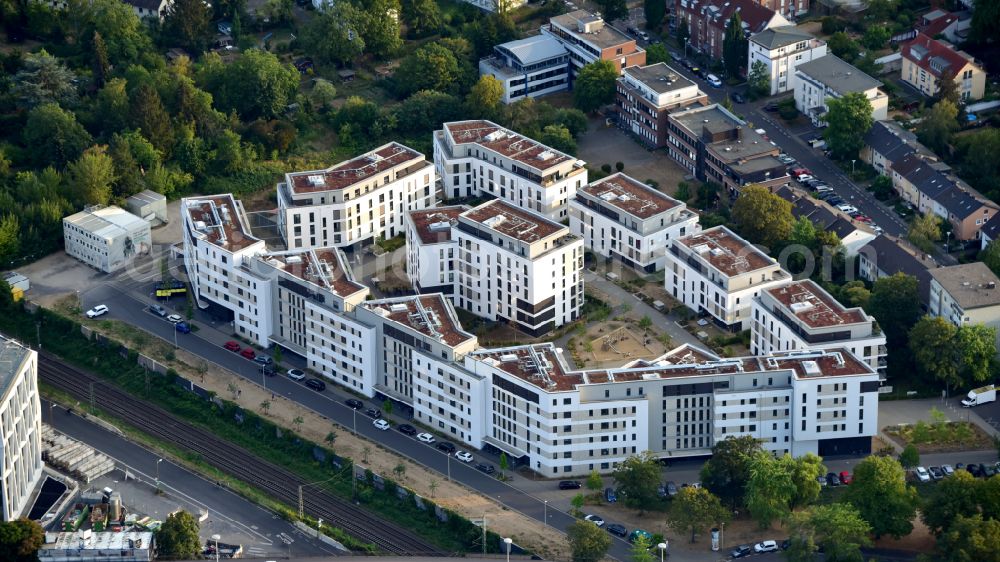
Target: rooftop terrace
220,219
12,357
602,35
323,267
434,225
630,195
431,315
814,307
505,142
726,251
658,77
511,221
353,171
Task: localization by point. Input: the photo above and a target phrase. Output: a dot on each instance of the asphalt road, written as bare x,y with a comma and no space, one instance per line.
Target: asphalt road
274,535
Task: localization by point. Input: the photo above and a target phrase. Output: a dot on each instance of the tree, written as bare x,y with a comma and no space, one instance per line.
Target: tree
124,33
21,539
504,463
848,119
425,110
146,113
882,188
947,89
485,98
177,537
422,17
760,82
431,67
595,86
970,539
577,502
843,46
959,494
654,10
932,341
559,138
380,27
937,127
976,347
640,549
256,85
883,499
925,231
278,11
387,407
769,490
909,457
10,242
587,542
612,10
734,46
638,477
657,53
43,79
102,68
323,93
188,23
53,136
727,472
803,472
837,529
399,470
91,176
985,20
594,481
332,35
265,406
990,255
895,303
683,33
875,37
694,509
331,438
762,217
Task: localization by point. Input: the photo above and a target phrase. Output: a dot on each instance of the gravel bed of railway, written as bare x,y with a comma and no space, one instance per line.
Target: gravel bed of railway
232,460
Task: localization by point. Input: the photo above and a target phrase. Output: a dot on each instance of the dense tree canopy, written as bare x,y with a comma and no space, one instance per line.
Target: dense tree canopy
587,542
638,476
895,303
882,497
848,119
43,79
727,472
257,84
763,217
188,24
178,537
334,34
431,67
20,539
595,86
696,509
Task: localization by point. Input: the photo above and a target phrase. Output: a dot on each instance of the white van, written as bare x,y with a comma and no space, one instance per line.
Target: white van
611,276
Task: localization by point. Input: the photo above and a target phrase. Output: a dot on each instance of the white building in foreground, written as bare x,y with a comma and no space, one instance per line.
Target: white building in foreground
481,158
353,203
829,77
781,50
20,429
529,67
105,238
431,250
621,217
717,273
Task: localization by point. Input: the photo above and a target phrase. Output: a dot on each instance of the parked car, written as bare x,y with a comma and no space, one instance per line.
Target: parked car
616,529
922,474
822,481
463,456
960,466
595,519
316,384
373,413
713,81
183,327
446,447
740,551
610,495
989,471
947,469
832,480
771,107
381,424
845,477
738,97
296,374
936,473
800,172
231,346
248,353
644,36
354,403
671,489
847,208
407,429
766,546
485,468
268,371
973,469
263,359
803,178
158,310
174,318
425,438
634,536
661,492
99,310
570,485
695,70
785,159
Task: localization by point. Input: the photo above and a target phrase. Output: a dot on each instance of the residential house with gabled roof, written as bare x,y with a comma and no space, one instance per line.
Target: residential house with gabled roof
966,210
912,171
926,61
887,143
707,21
853,235
990,231
884,256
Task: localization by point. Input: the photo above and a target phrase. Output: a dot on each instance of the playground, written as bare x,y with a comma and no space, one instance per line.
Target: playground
615,343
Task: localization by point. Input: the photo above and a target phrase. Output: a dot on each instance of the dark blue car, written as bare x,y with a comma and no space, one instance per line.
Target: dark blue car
183,327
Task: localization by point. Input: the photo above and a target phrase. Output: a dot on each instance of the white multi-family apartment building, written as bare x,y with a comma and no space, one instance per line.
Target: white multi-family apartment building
781,49
518,267
717,273
829,77
528,68
476,158
802,315
431,249
20,428
621,217
588,38
562,422
354,202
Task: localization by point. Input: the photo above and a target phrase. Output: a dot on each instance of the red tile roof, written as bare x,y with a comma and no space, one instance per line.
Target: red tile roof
813,306
431,315
352,171
430,223
928,53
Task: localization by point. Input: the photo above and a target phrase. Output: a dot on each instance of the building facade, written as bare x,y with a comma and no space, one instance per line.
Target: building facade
966,294
829,77
481,158
528,68
646,94
623,218
431,249
716,273
926,61
105,238
707,20
355,202
588,38
21,419
781,50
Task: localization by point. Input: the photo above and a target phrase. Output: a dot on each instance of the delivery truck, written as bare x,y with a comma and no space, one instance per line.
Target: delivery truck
980,396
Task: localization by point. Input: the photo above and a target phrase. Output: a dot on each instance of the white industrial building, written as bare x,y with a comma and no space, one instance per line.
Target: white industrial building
353,203
717,273
621,217
88,546
149,205
528,68
431,249
518,267
802,315
481,158
105,238
782,49
20,429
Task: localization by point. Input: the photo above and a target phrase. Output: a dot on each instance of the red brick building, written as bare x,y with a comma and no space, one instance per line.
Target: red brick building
707,21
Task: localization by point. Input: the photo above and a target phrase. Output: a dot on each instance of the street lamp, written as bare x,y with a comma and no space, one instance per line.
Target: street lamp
216,539
853,160
722,536
546,512
158,461
319,527
507,541
663,548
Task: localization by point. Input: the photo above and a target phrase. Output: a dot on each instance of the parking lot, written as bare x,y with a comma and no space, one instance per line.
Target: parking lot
604,144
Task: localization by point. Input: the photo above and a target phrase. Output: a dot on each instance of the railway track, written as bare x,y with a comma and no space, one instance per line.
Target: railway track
232,460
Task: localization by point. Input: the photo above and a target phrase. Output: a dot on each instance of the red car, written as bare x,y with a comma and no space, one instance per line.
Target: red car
800,172
232,346
845,477
249,353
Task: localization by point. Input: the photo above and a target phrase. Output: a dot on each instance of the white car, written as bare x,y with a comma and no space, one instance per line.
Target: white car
803,178
595,519
98,310
174,318
922,474
713,81
765,546
463,456
847,208
947,469
425,438
381,424
296,374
